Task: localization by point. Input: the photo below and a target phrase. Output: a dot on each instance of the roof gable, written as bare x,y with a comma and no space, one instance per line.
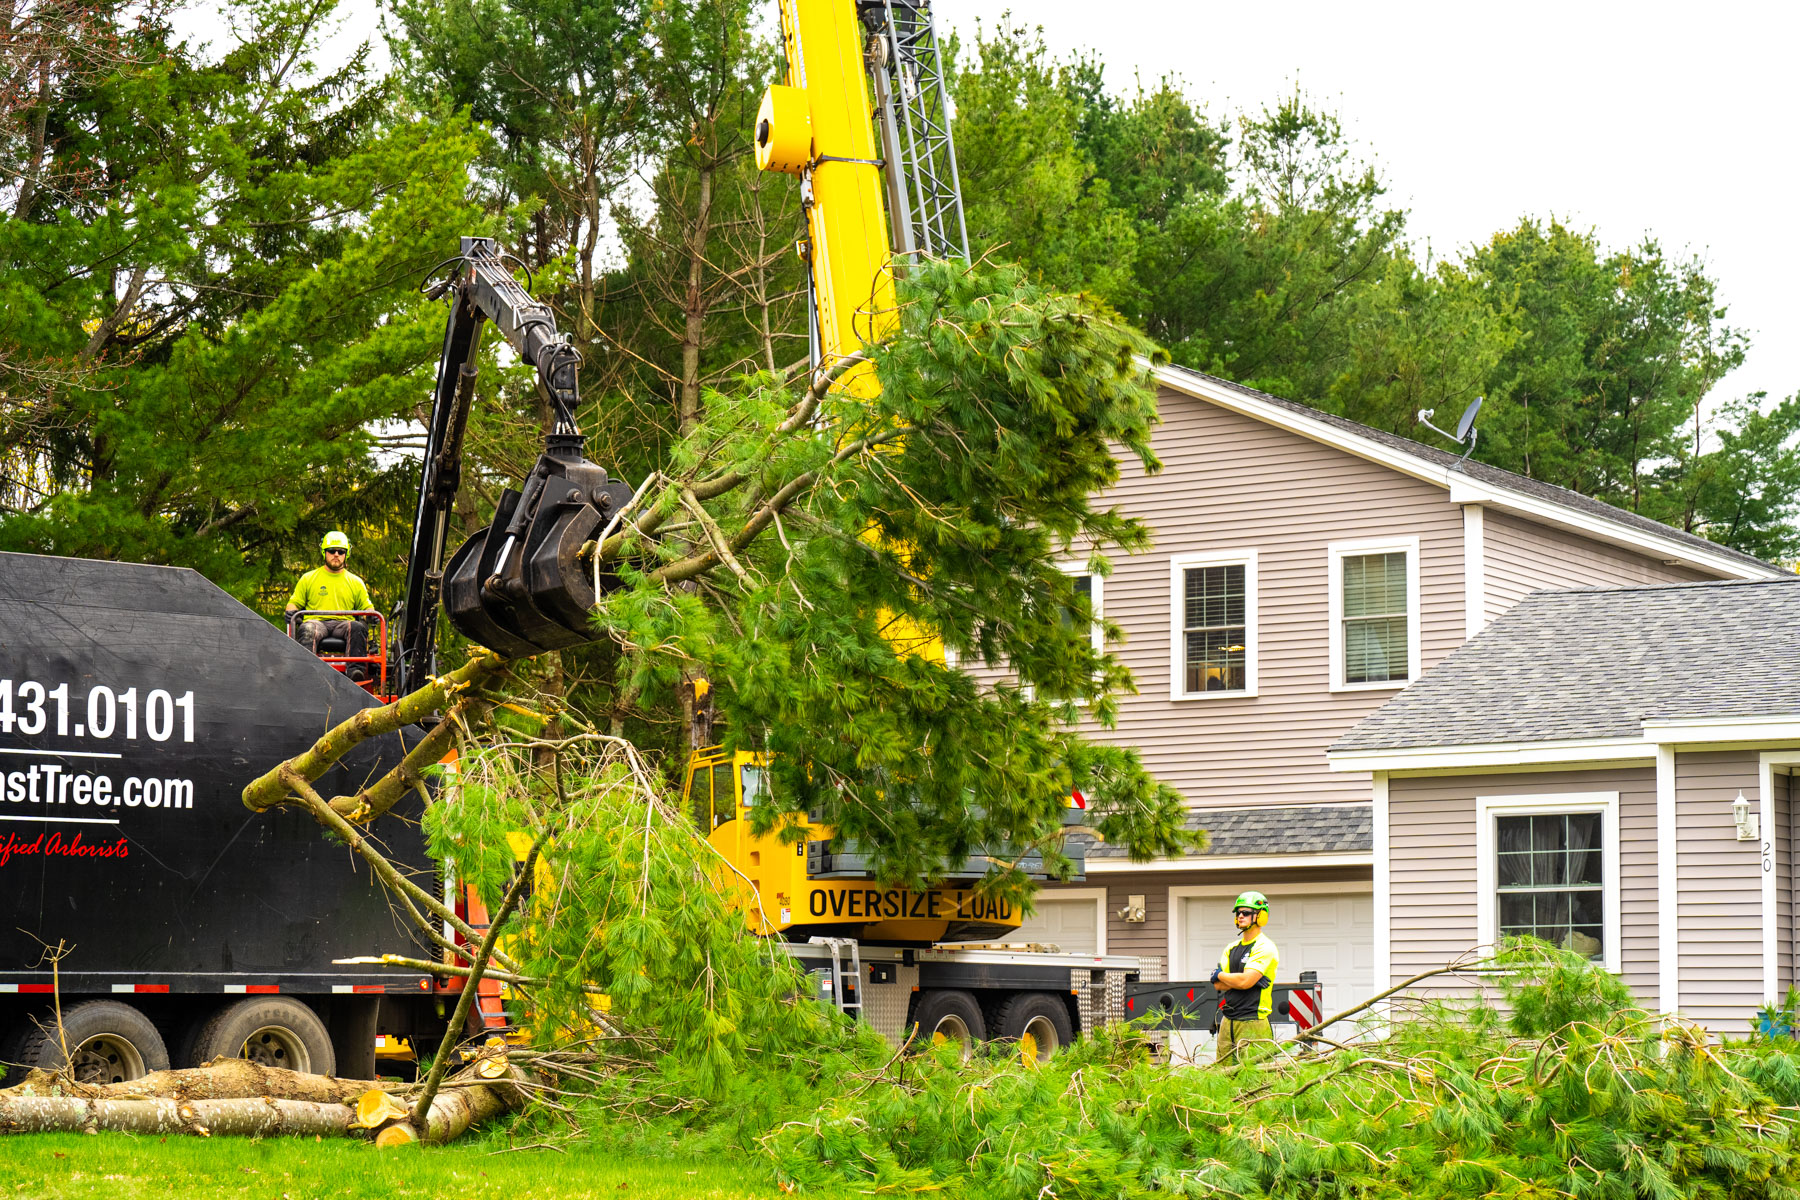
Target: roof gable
1471,482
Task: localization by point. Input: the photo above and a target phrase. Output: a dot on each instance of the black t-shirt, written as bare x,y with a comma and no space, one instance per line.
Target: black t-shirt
1244,1004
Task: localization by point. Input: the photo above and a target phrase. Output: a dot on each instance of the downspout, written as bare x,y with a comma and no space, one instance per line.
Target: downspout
1793,891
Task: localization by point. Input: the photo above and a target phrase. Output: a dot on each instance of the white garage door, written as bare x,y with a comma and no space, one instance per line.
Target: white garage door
1332,933
1071,924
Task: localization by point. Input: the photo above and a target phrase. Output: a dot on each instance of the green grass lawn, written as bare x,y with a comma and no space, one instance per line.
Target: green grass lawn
114,1166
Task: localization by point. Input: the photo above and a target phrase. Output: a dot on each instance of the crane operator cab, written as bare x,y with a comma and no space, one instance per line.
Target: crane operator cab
330,613
346,645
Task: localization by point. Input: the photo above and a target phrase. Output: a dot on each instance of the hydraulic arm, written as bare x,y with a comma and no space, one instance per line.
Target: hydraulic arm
821,125
516,587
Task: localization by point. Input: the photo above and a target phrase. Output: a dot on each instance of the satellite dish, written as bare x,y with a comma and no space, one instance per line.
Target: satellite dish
1468,419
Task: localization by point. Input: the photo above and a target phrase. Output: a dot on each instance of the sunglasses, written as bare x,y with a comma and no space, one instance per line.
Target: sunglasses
337,551
1243,912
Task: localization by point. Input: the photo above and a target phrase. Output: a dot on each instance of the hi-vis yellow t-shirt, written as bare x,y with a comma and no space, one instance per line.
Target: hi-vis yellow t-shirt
323,589
1260,955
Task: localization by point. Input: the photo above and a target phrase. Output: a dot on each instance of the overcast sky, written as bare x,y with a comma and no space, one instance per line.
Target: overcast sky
1633,119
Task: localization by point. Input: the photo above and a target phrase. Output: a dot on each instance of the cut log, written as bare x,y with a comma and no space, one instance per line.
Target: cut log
221,1079
453,1111
484,1089
235,1096
249,1118
375,1108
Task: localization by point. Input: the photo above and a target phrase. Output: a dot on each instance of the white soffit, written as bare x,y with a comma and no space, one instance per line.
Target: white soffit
1463,489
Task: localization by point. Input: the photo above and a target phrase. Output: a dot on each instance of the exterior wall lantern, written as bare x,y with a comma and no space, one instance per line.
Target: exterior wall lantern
1747,821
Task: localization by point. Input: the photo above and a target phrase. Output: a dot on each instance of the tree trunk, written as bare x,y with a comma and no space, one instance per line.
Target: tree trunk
223,1079
696,303
249,1117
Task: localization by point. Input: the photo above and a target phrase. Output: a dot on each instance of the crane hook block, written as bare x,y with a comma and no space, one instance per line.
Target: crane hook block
518,587
784,130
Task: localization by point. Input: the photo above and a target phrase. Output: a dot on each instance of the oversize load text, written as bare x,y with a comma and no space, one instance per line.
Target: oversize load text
898,904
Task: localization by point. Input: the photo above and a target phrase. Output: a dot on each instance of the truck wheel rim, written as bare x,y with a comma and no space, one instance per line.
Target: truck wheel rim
953,1028
1042,1032
107,1058
276,1046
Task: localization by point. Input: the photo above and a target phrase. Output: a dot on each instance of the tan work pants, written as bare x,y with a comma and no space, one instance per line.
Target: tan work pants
1242,1035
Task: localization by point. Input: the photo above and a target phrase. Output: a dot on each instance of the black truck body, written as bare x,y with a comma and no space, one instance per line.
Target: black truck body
136,702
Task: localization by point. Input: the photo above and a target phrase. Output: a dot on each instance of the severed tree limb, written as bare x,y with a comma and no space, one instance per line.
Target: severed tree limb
438,968
477,966
386,871
273,787
1461,966
222,1079
696,565
715,486
384,793
259,1117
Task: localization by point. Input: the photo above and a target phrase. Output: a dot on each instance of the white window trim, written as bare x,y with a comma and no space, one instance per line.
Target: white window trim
1097,895
1180,563
1096,597
1335,554
1487,808
1180,968
1765,808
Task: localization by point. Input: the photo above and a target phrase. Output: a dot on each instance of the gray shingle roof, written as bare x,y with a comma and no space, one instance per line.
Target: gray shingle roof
1598,662
1495,476
1276,829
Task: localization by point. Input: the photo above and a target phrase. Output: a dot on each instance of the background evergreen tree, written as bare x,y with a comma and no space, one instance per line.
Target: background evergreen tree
219,256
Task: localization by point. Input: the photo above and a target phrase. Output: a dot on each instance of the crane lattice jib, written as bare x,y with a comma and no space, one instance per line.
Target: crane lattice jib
913,112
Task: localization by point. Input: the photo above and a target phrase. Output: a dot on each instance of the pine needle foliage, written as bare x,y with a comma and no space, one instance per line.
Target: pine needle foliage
1566,1089
934,509
628,903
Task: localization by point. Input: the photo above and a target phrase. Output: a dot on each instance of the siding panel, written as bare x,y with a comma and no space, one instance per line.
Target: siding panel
1719,892
1231,483
1433,869
1522,556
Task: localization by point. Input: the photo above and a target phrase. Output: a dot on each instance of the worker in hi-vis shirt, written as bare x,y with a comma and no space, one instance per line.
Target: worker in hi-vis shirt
1245,978
332,588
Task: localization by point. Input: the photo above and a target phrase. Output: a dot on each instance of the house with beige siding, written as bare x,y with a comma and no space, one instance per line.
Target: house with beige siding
1611,769
1305,570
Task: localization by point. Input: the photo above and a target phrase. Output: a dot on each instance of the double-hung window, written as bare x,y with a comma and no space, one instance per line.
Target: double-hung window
1548,867
1374,613
1212,598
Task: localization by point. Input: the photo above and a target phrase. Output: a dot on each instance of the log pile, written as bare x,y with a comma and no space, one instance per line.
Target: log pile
238,1097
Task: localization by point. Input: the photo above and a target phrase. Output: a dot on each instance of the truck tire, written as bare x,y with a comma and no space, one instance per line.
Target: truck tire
187,1036
109,1042
272,1031
13,1037
951,1015
1040,1015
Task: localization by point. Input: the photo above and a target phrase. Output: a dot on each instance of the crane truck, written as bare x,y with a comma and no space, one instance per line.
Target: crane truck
168,924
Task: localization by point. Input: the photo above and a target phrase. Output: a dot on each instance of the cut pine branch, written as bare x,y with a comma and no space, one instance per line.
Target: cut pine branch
275,786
